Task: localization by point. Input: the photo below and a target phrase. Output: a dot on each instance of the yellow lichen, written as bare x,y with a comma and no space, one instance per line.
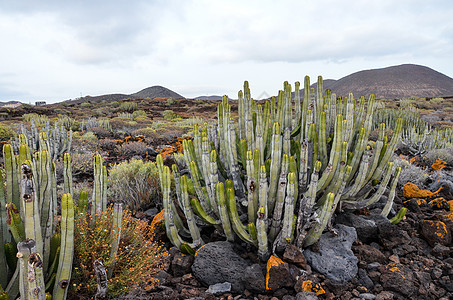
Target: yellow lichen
451,204
439,164
196,252
439,227
439,203
411,190
309,286
272,262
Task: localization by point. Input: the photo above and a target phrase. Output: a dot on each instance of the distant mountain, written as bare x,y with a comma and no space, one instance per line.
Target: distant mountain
393,82
150,92
155,92
9,103
212,97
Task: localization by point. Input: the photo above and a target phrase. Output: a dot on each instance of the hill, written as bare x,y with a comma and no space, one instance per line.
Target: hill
2,103
156,92
150,92
394,82
212,97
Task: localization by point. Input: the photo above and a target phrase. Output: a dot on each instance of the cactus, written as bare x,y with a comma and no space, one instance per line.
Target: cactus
33,180
56,140
287,174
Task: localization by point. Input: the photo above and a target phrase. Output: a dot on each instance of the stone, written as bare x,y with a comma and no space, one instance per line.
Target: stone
365,280
384,295
447,284
181,264
162,277
367,296
281,275
294,256
217,263
152,212
335,258
441,250
435,231
424,278
219,288
394,258
366,228
304,284
391,235
399,279
305,295
254,279
369,254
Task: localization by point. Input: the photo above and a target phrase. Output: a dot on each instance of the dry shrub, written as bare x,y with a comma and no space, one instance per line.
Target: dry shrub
86,144
147,132
136,184
168,133
410,173
443,124
132,149
100,132
446,154
107,144
135,266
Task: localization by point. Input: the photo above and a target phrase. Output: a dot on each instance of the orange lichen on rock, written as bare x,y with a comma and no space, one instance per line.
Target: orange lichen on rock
451,204
436,231
196,252
439,203
309,286
273,261
439,164
411,190
394,268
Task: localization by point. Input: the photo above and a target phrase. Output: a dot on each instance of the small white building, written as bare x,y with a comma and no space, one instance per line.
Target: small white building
40,103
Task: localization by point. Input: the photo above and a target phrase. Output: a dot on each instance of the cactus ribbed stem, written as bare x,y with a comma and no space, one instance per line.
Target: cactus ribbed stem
63,275
115,235
223,212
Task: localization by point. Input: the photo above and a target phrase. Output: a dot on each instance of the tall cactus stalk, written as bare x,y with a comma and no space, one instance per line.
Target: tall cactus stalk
285,174
33,179
63,275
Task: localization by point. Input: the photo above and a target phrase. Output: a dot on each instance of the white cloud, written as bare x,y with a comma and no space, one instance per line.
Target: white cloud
56,50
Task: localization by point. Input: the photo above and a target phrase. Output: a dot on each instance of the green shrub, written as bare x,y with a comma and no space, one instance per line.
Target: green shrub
128,106
40,120
6,133
86,104
135,183
170,115
90,136
170,101
138,113
147,132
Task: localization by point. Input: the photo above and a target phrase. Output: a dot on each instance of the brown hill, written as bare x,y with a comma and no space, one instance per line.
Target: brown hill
150,92
156,92
394,82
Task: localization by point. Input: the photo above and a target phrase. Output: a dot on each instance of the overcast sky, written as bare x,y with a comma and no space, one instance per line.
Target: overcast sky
57,50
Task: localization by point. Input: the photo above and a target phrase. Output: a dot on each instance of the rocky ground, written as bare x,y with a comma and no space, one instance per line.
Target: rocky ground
369,258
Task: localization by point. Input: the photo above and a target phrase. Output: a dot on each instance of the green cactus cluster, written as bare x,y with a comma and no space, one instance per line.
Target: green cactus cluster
277,173
417,136
28,212
93,122
418,142
28,215
56,140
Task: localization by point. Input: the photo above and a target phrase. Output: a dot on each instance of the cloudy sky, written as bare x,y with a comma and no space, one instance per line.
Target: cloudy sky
56,50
